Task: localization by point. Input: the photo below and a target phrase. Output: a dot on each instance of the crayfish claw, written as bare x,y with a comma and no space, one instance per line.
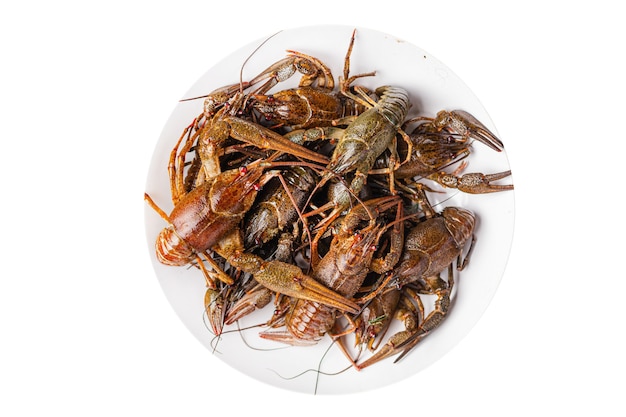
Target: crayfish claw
392,347
265,138
462,123
473,183
288,279
481,183
467,125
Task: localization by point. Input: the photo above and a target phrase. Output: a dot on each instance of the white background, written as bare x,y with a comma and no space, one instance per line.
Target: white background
85,91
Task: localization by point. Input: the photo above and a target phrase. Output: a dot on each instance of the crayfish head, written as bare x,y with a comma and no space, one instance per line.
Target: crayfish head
278,106
234,191
355,252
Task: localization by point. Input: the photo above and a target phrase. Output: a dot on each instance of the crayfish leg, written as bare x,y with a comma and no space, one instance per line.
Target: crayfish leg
338,334
443,290
217,272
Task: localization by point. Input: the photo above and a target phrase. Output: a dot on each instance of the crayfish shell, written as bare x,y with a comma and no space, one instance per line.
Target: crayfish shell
309,321
171,249
460,222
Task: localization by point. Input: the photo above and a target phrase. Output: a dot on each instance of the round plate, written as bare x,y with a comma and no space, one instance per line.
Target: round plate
432,87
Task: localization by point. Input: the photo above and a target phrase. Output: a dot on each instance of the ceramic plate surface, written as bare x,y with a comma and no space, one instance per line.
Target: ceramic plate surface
432,87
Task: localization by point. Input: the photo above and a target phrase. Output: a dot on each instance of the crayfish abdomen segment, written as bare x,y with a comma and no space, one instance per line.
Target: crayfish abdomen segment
309,321
460,223
171,249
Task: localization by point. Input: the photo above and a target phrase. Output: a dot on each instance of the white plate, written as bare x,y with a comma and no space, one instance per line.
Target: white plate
432,87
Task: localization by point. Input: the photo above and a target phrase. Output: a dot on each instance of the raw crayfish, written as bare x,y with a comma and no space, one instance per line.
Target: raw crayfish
318,198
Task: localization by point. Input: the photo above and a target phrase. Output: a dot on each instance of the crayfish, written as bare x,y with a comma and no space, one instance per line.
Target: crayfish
319,198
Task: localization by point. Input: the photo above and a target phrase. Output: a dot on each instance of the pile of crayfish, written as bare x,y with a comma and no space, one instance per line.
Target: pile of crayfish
316,198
